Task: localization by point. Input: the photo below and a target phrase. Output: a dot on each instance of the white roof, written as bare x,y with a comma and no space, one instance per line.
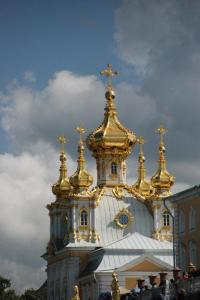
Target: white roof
138,241
110,263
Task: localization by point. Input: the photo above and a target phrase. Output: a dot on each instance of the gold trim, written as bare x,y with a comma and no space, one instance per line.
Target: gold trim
118,192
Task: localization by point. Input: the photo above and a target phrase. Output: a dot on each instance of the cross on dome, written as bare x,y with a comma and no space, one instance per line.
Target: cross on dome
161,130
109,73
80,130
62,140
141,141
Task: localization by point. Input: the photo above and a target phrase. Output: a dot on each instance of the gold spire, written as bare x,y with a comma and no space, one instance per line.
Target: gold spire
62,186
76,293
142,186
115,287
81,180
111,134
162,180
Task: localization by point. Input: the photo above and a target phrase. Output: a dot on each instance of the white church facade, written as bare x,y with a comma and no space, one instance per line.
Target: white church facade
112,226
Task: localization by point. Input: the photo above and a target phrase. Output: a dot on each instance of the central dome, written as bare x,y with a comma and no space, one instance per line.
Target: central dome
111,135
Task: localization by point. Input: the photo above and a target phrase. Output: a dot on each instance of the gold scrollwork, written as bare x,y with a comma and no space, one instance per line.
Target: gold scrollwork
118,192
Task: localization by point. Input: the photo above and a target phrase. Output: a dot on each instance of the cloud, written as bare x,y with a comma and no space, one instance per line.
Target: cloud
25,182
66,102
159,40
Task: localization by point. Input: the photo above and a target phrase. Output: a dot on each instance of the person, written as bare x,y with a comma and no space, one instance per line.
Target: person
185,276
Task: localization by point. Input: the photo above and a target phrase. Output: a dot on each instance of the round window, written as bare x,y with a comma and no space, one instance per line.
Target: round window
123,219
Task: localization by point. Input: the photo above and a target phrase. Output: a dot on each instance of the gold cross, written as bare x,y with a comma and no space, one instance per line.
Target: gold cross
62,140
81,130
109,73
141,141
161,130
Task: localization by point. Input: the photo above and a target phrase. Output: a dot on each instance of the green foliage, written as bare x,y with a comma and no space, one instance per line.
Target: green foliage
4,284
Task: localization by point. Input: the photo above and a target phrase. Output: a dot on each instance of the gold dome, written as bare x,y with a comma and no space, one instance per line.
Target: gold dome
111,134
142,186
81,180
62,186
162,180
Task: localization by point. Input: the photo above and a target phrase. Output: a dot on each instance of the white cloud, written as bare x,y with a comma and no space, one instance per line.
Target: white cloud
25,181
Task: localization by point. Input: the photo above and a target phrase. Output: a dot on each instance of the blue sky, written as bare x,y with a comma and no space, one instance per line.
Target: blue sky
51,53
47,36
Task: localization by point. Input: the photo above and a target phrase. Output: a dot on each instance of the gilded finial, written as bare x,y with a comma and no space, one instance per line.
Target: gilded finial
81,180
161,131
115,287
141,141
109,73
81,130
76,293
62,140
62,186
142,186
162,180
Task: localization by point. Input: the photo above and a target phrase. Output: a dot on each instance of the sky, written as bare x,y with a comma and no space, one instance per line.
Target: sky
50,56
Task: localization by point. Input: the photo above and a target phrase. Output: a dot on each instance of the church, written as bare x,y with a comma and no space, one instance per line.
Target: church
109,225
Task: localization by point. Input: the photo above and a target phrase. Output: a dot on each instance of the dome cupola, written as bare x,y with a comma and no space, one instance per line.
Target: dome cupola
62,187
162,181
142,186
81,180
111,136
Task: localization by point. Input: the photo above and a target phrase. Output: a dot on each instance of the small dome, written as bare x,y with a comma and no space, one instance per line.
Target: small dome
162,180
81,180
62,187
142,186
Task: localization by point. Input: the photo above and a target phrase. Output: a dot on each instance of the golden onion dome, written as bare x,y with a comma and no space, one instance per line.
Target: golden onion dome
81,180
111,134
62,186
142,186
162,180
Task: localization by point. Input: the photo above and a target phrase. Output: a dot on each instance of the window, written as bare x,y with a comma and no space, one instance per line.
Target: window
84,220
166,219
181,222
182,257
193,252
113,168
192,219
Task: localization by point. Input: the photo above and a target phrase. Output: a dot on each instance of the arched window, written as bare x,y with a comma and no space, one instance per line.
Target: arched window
113,168
193,252
166,219
84,218
182,257
181,222
192,219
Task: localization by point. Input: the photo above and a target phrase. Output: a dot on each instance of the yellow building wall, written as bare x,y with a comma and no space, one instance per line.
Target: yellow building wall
190,235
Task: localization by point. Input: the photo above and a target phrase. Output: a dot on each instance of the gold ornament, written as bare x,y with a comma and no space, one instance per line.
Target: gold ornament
62,187
162,181
115,287
76,293
81,180
111,137
142,186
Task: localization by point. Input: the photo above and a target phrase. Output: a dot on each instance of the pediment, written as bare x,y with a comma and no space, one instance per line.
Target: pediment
147,266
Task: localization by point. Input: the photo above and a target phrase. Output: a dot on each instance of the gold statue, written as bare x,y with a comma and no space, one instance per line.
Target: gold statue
76,293
115,287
